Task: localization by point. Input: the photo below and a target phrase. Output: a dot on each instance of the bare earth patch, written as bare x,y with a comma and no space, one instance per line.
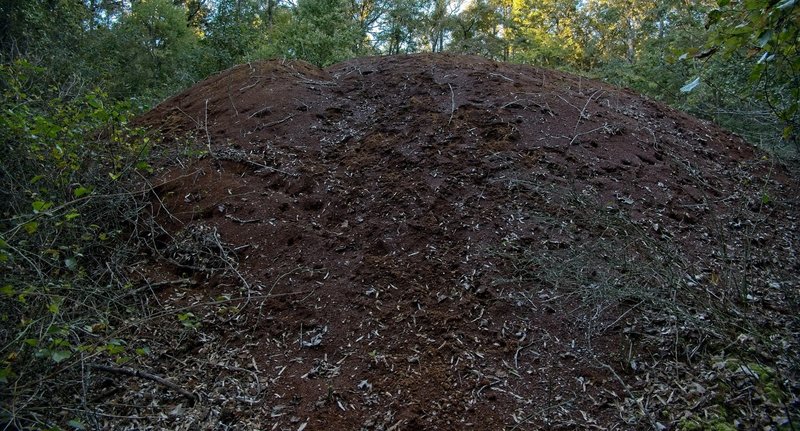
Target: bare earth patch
445,242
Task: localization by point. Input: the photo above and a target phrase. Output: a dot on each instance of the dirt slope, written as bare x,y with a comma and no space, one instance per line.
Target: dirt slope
445,242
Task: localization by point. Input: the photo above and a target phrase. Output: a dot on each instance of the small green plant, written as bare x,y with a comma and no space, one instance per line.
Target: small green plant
700,425
189,320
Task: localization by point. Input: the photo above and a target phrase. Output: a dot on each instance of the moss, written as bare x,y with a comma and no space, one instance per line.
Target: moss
732,364
689,425
717,422
766,378
766,381
772,392
716,425
763,372
721,426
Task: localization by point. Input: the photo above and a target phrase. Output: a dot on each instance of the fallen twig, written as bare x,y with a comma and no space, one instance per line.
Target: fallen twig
153,286
513,102
250,86
603,127
452,104
502,76
240,221
520,349
281,276
263,166
275,123
145,375
197,123
266,108
627,390
244,370
208,135
538,413
230,99
306,80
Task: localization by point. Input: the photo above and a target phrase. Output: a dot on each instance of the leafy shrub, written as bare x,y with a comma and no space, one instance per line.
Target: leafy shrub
66,169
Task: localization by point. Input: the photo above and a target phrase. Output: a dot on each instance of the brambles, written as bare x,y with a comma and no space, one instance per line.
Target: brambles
65,235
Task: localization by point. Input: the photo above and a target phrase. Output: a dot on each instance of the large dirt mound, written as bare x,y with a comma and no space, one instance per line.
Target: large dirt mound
446,242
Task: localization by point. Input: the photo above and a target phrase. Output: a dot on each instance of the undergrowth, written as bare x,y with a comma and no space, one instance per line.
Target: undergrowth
69,216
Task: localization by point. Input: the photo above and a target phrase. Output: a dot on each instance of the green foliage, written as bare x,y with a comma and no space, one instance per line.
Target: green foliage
546,32
153,51
66,211
189,320
767,34
477,30
234,32
400,27
705,425
37,28
322,33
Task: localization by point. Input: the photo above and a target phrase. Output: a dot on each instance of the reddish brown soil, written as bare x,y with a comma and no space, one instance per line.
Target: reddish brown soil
381,220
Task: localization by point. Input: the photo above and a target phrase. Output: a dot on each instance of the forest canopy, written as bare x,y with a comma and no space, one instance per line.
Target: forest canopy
735,62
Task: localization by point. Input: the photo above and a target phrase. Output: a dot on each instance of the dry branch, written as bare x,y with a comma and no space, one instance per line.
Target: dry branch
452,104
241,221
501,76
582,115
306,80
154,286
603,127
147,376
208,135
275,123
250,86
259,111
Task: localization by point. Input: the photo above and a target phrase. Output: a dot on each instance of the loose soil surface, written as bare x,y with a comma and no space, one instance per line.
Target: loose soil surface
445,242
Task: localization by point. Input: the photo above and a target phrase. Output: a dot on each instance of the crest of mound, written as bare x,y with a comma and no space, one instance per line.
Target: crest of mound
468,113
444,126
443,228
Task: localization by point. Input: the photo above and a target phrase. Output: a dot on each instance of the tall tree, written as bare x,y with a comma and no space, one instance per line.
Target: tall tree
400,27
197,12
480,30
366,13
322,32
234,31
438,20
154,49
620,27
547,32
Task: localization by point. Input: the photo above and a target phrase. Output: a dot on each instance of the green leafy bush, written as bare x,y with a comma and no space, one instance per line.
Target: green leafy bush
66,214
760,37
